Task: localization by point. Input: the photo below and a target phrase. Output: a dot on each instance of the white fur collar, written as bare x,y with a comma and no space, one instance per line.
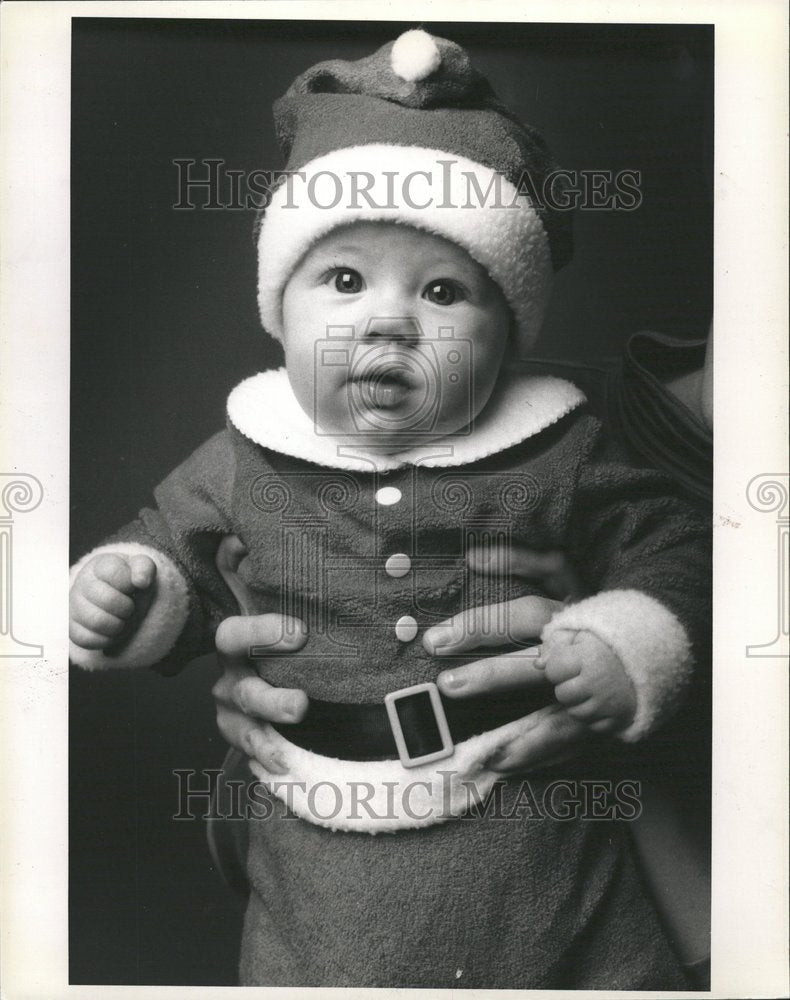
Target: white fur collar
265,410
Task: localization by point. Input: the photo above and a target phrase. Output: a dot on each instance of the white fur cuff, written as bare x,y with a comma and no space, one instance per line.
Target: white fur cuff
162,624
650,641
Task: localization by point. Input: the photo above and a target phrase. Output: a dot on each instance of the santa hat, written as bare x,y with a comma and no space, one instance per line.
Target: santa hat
412,134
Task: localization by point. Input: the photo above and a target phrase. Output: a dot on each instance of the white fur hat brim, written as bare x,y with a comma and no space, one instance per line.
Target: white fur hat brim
442,193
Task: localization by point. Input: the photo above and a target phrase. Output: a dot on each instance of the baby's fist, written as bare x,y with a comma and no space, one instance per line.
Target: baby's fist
102,601
589,680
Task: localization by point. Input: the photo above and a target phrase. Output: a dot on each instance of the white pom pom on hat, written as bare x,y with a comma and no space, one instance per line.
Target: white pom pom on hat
415,55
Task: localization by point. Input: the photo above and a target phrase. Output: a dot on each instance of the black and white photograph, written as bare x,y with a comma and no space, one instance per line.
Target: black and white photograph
411,630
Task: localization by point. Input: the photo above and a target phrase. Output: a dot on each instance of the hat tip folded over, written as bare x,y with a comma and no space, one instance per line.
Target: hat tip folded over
415,55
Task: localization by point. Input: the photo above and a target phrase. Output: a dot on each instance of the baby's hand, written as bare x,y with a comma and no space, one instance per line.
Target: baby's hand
589,680
101,604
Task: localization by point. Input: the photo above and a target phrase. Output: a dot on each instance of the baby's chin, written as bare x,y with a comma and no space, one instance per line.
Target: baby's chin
378,441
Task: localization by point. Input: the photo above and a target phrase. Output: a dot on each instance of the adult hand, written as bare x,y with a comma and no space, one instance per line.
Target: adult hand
545,736
245,702
551,571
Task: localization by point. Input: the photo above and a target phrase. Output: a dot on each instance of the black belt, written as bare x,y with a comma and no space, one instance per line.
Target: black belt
415,733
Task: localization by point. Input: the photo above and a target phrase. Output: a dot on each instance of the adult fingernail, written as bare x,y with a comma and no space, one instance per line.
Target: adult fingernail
439,639
453,681
432,642
497,759
275,763
269,759
291,706
257,746
294,637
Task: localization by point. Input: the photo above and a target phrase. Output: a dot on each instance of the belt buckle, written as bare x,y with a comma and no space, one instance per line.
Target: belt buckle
390,703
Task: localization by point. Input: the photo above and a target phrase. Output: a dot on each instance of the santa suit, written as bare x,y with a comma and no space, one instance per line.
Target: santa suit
527,898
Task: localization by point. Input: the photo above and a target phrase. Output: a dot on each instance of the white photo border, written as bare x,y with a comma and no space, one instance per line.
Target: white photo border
750,868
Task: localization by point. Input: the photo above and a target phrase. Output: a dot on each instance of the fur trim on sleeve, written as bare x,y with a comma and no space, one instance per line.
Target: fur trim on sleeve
162,625
652,644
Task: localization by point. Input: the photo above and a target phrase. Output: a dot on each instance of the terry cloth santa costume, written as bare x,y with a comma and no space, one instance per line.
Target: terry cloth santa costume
369,550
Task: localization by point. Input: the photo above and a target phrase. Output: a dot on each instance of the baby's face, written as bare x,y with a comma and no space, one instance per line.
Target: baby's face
392,335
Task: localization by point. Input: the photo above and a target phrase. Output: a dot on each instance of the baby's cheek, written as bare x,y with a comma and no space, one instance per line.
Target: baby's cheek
301,376
455,409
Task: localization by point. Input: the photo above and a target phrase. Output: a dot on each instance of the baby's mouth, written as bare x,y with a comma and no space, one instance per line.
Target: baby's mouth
383,386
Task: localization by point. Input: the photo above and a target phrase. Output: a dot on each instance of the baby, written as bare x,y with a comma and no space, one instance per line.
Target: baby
403,270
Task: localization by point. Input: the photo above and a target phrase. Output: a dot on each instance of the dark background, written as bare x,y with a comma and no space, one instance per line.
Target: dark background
164,324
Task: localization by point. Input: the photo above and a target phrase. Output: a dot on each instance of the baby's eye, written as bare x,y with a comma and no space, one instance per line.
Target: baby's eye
443,293
348,280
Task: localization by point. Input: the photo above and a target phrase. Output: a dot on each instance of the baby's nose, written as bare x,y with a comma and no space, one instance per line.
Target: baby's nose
397,329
